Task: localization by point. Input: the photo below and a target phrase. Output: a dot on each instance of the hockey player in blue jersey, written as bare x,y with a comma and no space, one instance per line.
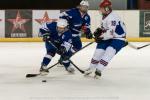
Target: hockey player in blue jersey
58,39
78,19
110,38
79,22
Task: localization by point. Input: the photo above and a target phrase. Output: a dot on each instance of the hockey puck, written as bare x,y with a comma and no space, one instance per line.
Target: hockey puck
44,81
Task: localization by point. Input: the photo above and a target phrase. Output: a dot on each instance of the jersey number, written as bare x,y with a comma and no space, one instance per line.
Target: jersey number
113,23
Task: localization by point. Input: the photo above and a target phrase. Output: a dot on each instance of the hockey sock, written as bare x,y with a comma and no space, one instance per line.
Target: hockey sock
46,60
66,63
106,58
96,57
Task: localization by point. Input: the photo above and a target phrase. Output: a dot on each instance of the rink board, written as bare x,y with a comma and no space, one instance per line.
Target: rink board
138,27
83,40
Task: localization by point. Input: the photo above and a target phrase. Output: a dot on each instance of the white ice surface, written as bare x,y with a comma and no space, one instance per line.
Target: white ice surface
126,78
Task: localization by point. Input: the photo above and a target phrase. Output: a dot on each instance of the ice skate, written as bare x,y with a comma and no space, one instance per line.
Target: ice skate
44,71
98,74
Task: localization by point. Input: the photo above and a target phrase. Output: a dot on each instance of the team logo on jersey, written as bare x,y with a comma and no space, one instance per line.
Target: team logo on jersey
113,23
86,18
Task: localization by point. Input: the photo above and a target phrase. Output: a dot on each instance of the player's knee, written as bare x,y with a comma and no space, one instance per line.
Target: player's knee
110,51
98,54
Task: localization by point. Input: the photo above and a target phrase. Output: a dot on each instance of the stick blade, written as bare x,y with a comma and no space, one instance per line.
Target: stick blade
143,46
31,75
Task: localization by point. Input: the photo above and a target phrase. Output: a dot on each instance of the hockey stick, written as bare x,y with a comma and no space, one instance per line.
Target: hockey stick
77,67
83,48
35,75
143,46
137,48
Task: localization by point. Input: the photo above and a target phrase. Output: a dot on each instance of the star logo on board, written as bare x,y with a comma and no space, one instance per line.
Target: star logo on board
18,23
45,19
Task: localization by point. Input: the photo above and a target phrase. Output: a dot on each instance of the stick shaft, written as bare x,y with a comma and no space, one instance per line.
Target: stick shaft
143,46
77,67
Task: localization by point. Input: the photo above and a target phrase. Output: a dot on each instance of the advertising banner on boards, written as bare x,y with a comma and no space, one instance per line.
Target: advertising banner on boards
145,23
2,23
18,23
43,16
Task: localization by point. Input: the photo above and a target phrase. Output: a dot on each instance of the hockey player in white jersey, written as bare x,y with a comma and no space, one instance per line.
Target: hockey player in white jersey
110,38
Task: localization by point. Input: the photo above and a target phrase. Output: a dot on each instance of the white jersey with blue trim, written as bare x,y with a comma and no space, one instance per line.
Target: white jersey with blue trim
114,27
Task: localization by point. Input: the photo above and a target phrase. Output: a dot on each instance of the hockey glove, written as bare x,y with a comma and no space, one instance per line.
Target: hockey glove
89,35
46,37
62,50
98,32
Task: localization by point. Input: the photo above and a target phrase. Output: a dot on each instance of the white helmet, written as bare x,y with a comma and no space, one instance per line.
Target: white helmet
62,23
84,3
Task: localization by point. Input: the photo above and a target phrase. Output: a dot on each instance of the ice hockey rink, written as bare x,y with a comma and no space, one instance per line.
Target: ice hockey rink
126,78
